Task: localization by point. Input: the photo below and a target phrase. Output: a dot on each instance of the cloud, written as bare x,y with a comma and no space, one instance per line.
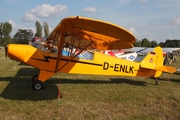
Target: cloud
29,17
89,10
12,23
176,22
132,30
15,27
142,1
44,11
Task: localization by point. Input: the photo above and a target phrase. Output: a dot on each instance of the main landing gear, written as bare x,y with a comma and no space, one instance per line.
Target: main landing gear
37,84
157,82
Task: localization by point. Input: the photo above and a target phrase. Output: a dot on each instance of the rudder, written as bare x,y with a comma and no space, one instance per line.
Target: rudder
154,60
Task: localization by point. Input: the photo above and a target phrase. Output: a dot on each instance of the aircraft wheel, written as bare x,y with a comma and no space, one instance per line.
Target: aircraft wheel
37,85
34,78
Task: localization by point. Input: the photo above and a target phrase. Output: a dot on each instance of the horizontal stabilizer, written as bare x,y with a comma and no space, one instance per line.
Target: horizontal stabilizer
168,69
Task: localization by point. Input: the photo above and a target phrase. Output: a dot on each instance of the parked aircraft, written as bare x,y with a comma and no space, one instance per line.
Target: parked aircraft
75,35
124,54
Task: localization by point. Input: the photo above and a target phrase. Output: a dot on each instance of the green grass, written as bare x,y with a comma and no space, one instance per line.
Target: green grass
85,96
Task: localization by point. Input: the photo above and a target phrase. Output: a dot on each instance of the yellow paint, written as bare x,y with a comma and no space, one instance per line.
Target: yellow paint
101,64
85,33
105,35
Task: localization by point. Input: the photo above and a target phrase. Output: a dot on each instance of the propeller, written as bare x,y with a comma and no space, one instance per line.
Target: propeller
6,50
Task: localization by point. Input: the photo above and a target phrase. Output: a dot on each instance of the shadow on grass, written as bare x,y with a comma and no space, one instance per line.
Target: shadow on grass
169,79
128,81
99,81
176,73
19,87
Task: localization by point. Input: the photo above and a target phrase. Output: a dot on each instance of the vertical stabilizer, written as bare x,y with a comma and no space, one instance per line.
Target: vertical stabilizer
154,60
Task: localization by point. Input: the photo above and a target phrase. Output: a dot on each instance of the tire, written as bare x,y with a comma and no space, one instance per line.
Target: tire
37,85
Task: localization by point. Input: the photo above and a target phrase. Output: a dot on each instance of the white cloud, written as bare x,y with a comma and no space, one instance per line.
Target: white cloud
176,22
132,30
142,0
12,23
29,17
89,10
44,11
15,27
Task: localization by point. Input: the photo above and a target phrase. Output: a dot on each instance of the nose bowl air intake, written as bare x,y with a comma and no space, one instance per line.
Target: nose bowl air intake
17,52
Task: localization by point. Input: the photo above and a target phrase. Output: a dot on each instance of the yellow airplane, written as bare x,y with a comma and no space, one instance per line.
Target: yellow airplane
77,35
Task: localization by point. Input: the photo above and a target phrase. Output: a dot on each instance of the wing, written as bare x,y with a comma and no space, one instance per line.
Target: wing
102,35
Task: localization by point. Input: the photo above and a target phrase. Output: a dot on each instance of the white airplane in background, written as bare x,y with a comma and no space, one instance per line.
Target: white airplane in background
121,54
132,53
147,50
127,54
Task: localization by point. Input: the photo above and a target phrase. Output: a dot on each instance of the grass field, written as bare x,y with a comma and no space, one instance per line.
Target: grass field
86,97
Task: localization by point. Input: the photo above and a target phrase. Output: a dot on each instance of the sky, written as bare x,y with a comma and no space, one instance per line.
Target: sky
152,19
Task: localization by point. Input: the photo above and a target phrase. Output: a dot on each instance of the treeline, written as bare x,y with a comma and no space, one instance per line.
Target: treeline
24,36
168,43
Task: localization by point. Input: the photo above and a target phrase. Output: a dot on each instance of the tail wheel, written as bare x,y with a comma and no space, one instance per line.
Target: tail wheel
157,82
37,85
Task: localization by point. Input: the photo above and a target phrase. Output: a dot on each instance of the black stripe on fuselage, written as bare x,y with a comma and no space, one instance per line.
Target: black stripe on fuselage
46,59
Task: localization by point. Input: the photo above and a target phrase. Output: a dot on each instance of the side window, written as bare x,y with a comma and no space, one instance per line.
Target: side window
52,46
49,46
76,47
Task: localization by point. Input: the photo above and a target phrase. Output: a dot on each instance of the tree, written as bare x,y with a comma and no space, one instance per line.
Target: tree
23,36
154,44
38,29
171,43
161,44
5,31
46,29
138,43
1,34
145,43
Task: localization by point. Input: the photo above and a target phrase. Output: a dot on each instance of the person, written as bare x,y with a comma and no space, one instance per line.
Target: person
172,58
165,59
52,47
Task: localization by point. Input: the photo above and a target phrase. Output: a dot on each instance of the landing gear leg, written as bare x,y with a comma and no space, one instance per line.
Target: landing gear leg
157,82
34,78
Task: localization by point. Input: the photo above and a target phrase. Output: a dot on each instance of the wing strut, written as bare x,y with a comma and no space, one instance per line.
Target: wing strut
73,57
60,49
62,41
